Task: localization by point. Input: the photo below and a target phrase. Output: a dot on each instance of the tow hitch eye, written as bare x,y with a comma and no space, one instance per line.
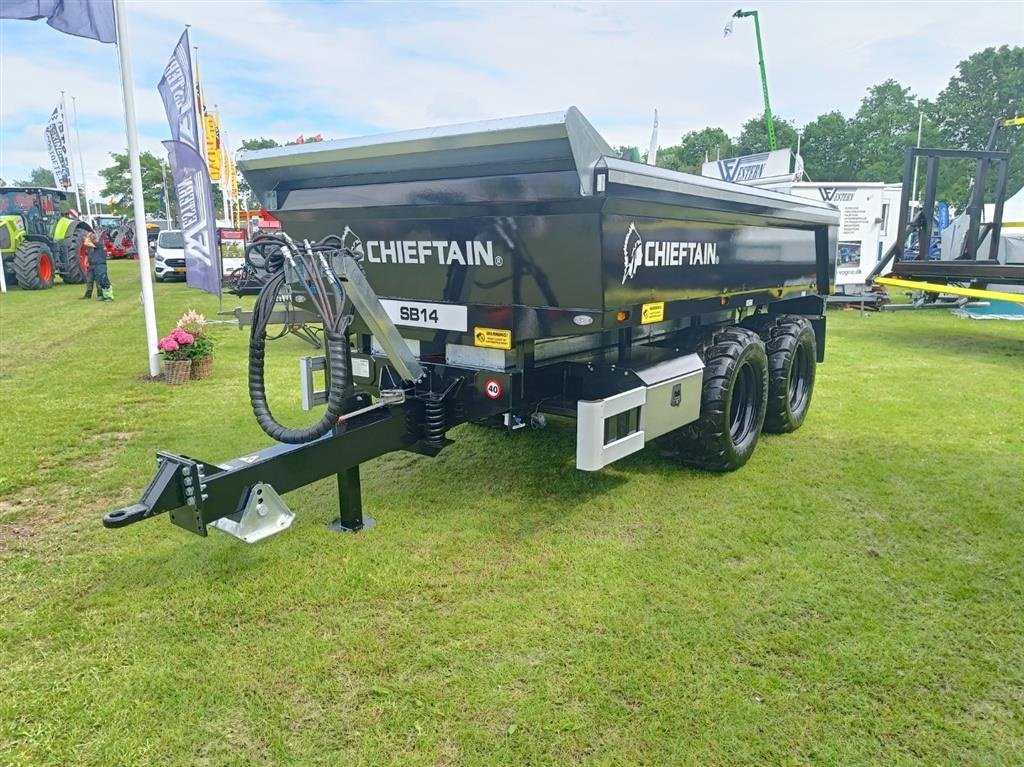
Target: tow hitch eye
265,514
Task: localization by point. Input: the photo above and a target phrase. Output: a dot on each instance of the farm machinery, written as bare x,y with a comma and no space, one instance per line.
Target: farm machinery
37,243
117,236
505,273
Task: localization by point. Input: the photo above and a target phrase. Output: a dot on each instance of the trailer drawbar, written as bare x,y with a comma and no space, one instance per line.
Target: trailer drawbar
499,272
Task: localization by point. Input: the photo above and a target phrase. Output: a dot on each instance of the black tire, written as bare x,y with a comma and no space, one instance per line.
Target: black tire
792,364
33,266
733,399
75,270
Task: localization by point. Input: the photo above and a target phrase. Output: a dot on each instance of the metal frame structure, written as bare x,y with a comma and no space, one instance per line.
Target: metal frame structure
973,264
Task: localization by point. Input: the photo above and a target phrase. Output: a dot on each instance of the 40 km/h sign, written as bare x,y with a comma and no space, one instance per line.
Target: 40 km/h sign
492,389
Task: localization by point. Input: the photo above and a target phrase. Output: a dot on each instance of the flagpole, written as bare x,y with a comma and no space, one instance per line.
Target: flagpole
81,162
138,202
223,169
71,162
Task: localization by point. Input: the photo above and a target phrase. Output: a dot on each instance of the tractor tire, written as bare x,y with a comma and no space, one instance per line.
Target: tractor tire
792,363
733,400
33,266
77,257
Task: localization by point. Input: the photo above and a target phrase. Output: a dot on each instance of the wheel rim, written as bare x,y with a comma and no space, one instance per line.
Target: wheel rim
83,256
799,379
744,404
45,268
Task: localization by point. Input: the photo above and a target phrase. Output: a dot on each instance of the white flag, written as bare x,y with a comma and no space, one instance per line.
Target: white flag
57,144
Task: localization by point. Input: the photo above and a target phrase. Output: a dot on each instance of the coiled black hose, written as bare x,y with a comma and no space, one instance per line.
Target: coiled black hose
338,360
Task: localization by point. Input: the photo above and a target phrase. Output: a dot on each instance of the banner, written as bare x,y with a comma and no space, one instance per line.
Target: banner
198,217
176,90
57,144
751,168
213,155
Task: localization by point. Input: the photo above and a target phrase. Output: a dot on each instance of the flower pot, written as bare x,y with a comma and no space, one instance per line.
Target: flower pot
203,367
177,371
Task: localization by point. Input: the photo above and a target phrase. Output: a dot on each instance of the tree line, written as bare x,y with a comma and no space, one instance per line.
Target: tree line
869,145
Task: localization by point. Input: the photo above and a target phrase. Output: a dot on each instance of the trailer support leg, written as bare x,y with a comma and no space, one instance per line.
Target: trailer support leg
350,498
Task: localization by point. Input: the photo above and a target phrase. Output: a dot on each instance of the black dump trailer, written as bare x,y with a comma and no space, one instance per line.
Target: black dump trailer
503,271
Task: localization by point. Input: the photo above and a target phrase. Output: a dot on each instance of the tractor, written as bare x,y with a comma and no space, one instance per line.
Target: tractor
37,242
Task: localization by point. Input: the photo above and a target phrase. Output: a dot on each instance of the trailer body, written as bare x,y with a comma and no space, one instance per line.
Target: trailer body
505,270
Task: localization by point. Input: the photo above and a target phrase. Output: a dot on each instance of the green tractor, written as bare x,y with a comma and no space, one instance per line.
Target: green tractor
37,242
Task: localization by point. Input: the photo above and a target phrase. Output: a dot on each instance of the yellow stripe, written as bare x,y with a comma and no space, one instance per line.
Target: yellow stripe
931,287
1011,121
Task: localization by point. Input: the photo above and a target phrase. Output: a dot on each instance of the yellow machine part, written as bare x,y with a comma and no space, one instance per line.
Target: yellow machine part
932,287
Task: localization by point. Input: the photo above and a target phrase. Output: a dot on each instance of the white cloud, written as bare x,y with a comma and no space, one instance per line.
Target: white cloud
281,69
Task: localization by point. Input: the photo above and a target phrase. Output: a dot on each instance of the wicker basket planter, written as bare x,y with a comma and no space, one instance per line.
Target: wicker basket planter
202,368
177,371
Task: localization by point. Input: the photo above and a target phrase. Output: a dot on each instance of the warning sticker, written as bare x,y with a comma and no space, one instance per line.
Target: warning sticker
492,338
652,312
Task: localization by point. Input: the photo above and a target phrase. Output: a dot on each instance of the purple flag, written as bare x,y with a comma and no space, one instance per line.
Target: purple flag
198,218
85,18
176,89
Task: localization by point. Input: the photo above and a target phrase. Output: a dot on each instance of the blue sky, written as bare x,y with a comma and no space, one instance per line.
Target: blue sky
281,69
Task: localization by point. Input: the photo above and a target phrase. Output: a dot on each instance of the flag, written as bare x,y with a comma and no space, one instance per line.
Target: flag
57,144
198,217
213,157
176,91
652,152
200,106
234,178
83,18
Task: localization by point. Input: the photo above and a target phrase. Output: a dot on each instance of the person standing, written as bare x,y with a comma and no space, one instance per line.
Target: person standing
91,241
98,267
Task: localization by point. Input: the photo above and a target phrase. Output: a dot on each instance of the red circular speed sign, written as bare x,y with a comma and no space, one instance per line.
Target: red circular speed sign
492,389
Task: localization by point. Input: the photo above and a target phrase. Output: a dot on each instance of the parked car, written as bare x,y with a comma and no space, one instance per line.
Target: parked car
170,256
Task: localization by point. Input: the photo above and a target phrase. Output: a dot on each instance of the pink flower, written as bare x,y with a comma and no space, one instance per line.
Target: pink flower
183,338
168,345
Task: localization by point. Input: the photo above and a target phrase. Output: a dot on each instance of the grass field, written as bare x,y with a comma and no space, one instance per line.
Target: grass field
854,595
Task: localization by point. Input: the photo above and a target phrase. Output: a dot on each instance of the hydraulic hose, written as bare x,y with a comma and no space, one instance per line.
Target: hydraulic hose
338,384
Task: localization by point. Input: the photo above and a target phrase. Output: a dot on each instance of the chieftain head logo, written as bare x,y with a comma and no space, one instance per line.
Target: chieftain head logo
660,253
632,253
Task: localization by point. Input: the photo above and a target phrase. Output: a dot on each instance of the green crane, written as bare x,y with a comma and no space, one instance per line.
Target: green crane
768,119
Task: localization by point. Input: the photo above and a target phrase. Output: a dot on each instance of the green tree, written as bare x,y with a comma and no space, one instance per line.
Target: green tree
118,184
244,190
885,124
826,148
753,136
689,154
987,85
38,177
250,144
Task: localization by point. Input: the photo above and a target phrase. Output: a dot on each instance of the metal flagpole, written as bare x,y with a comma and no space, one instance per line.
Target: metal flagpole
138,202
71,161
167,198
81,162
652,151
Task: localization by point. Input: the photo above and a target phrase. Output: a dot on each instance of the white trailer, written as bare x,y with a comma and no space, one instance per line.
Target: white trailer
868,216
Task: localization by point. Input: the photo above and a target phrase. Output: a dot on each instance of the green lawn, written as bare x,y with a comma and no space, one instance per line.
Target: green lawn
854,595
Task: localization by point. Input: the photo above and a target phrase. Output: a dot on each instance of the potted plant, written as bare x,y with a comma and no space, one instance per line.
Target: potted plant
177,362
201,349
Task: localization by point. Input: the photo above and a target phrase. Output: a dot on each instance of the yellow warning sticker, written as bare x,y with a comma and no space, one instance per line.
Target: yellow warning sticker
652,312
492,338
